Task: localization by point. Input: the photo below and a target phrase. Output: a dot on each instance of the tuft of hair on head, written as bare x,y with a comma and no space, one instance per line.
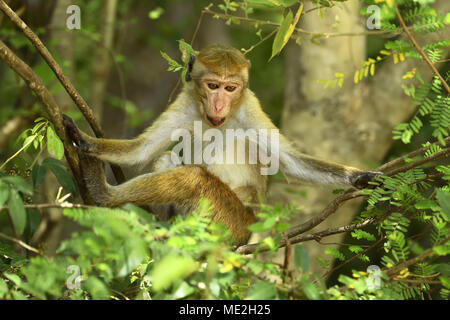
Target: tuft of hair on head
223,60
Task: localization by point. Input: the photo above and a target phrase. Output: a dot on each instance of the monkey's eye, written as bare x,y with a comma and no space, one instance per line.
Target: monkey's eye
230,88
213,86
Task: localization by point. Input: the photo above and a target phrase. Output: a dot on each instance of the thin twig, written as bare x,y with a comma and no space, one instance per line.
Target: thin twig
260,41
298,30
194,36
251,248
20,243
352,258
417,281
329,209
392,271
62,205
415,153
287,254
419,49
419,162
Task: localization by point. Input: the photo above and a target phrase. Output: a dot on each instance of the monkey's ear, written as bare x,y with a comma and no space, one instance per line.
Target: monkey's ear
189,67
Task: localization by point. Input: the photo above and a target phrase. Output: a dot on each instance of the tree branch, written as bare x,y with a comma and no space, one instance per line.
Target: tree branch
297,30
61,205
76,97
37,86
419,162
415,153
419,49
20,243
392,271
251,248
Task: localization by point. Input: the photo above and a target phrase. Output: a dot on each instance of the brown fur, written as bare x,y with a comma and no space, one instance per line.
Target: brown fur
223,60
225,185
182,186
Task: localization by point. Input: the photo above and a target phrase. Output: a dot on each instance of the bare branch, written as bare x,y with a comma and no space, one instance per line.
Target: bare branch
329,210
297,30
20,243
251,248
62,205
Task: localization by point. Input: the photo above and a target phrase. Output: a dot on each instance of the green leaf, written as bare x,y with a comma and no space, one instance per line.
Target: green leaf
282,33
54,145
171,269
186,51
443,268
445,281
27,142
269,3
4,193
263,290
3,288
335,253
155,13
17,212
442,250
255,266
38,175
59,170
97,289
134,252
301,258
444,201
257,227
14,278
19,184
361,234
183,291
173,65
269,222
355,249
426,204
310,290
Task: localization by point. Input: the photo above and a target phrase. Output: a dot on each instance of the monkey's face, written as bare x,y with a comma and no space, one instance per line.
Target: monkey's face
220,97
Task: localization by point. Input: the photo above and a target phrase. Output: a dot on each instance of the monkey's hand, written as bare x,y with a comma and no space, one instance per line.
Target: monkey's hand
362,180
75,134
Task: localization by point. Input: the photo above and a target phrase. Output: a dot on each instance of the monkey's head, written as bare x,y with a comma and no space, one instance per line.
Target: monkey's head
220,75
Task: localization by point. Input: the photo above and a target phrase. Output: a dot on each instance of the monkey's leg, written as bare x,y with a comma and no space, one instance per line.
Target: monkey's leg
164,211
183,186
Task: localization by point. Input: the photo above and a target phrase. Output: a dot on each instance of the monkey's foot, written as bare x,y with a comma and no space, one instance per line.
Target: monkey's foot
362,181
74,133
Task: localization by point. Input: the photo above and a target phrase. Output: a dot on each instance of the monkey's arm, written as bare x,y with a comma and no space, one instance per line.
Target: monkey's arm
142,149
297,166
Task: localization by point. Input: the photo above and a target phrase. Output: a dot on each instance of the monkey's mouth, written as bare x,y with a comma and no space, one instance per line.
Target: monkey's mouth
215,121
